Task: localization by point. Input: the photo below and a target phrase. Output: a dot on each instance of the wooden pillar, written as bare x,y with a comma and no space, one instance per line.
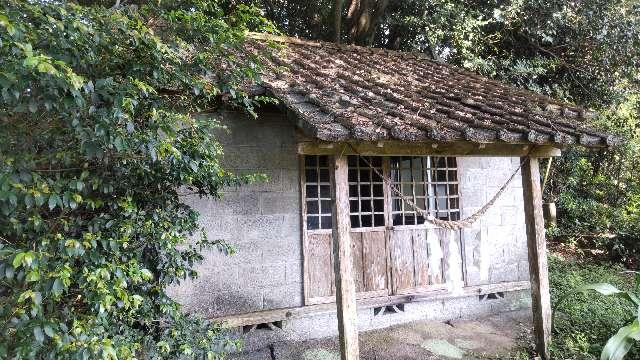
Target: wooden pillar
537,248
345,285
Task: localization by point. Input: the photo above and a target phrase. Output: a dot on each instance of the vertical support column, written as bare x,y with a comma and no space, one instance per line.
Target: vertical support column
345,285
537,249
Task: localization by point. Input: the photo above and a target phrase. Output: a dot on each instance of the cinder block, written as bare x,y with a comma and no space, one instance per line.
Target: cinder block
291,180
268,129
245,253
472,179
294,272
221,227
235,203
262,276
285,249
292,224
284,296
503,273
237,302
509,215
242,157
261,228
493,216
272,183
473,196
523,271
279,203
468,210
467,163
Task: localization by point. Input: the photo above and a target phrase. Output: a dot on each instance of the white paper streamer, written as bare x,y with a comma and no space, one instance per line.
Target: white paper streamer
453,276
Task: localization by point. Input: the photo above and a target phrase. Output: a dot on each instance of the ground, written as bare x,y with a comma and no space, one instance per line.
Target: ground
494,337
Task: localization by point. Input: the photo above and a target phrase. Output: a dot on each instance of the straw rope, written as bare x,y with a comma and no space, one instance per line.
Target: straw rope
447,224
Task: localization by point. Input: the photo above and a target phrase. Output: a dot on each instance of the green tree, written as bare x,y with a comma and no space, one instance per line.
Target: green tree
584,52
102,128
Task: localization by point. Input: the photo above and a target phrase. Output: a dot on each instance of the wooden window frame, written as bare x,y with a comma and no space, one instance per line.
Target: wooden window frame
388,217
358,168
429,193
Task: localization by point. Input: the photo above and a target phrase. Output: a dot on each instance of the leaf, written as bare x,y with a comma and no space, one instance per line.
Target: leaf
57,287
602,288
9,271
39,199
37,298
38,334
49,331
33,106
54,200
619,344
17,260
28,201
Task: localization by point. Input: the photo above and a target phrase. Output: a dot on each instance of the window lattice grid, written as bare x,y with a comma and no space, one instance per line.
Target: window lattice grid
430,182
366,192
317,192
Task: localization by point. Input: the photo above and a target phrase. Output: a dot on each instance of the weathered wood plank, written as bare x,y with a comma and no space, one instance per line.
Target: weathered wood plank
538,272
319,270
401,260
297,312
441,235
374,260
392,147
343,269
357,262
421,257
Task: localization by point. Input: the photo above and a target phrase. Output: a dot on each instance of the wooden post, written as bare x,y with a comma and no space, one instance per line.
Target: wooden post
536,244
345,286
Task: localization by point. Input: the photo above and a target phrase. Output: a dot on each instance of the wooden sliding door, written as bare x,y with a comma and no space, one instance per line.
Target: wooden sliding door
394,250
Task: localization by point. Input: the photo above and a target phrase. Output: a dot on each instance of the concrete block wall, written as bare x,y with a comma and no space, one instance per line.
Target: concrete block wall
261,221
496,246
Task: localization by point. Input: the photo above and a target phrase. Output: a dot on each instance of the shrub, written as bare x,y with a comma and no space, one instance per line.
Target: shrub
598,193
98,139
584,322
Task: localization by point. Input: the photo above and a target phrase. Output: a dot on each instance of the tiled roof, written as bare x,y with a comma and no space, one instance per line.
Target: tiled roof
342,92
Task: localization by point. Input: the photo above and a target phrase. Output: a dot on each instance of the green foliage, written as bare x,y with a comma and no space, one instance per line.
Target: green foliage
584,322
98,138
598,194
585,52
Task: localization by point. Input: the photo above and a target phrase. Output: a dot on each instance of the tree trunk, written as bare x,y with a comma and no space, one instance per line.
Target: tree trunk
363,18
337,20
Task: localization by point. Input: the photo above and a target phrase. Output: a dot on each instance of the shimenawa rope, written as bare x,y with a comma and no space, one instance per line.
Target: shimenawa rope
447,224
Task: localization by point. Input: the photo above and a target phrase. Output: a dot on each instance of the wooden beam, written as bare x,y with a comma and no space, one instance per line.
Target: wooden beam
392,147
537,249
266,316
345,285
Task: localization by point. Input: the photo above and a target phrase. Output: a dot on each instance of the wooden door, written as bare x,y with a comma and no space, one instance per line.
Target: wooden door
418,258
369,265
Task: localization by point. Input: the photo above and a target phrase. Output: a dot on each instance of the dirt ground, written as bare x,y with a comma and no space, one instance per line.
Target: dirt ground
494,337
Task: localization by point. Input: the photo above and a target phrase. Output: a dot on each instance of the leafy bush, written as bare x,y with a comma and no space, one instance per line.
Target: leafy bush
98,138
598,193
584,322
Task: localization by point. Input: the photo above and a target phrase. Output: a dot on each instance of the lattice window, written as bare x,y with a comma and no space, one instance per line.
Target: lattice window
366,193
317,192
431,182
